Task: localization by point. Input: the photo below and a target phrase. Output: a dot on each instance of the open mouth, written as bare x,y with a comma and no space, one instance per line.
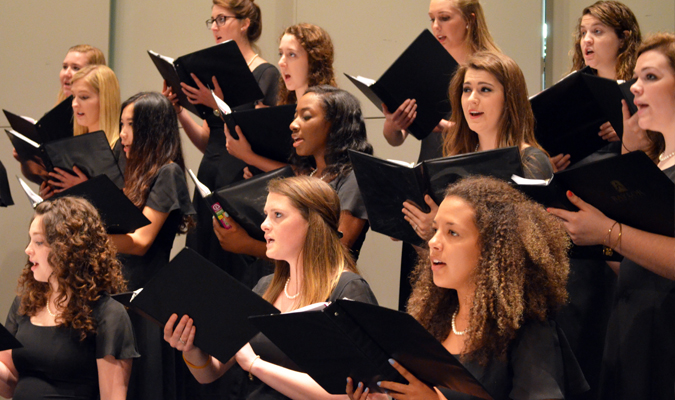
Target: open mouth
476,113
297,141
440,38
589,51
436,264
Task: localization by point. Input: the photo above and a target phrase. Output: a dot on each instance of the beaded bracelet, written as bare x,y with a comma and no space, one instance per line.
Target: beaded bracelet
191,365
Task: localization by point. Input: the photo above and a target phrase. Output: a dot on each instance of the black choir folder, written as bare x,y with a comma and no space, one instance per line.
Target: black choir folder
90,152
385,185
118,213
244,201
57,123
569,114
5,193
354,339
629,189
266,129
423,72
218,304
224,61
7,340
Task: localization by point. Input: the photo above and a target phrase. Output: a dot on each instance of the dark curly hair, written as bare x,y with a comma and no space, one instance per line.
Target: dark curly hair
156,143
84,260
347,131
619,17
320,55
521,273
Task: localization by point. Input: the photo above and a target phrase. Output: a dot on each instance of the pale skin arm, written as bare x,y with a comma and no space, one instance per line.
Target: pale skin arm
241,149
113,377
589,226
293,384
138,242
8,374
419,220
198,135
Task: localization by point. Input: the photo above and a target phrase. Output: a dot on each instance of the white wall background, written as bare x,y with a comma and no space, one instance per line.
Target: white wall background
368,35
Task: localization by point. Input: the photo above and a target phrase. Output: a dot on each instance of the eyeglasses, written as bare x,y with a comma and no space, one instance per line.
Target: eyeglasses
219,20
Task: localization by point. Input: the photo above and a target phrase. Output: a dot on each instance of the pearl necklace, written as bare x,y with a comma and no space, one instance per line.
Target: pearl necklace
314,172
288,296
50,311
663,157
251,62
454,327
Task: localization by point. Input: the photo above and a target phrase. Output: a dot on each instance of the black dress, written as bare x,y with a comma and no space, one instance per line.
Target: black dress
350,200
350,285
53,363
536,165
539,365
217,169
154,375
639,358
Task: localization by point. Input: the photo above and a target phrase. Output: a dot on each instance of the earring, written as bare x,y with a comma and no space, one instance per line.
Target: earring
467,26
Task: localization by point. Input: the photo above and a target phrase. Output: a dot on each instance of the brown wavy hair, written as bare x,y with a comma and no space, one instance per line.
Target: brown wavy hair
320,53
94,57
324,257
663,43
521,274
84,260
156,143
517,120
619,17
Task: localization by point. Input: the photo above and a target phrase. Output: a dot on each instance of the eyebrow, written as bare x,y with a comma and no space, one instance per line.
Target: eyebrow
481,83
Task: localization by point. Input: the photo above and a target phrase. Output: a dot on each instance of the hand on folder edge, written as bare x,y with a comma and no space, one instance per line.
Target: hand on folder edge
33,169
560,162
173,97
237,240
239,148
202,94
586,227
419,220
396,123
357,393
64,180
414,390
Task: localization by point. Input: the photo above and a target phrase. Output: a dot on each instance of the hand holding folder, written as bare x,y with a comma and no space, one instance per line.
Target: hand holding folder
223,61
385,185
422,72
218,304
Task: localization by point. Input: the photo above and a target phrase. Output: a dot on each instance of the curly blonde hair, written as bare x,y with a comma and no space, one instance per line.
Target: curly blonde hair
84,260
521,273
320,55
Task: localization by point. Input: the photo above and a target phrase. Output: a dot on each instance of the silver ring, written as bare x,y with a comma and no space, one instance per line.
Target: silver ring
416,227
181,340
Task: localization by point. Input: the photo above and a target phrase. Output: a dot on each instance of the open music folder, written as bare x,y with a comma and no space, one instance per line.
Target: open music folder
353,339
57,123
224,61
422,72
385,185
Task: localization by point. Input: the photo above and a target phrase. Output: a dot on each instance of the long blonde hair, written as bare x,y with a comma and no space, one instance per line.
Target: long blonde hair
104,82
324,257
478,37
94,57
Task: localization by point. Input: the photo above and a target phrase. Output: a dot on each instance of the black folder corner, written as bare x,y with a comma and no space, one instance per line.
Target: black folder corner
422,72
118,213
245,200
266,129
7,340
56,124
5,194
354,339
569,114
218,304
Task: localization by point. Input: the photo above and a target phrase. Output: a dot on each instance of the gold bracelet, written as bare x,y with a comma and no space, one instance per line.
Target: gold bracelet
606,249
618,240
191,365
181,110
250,368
